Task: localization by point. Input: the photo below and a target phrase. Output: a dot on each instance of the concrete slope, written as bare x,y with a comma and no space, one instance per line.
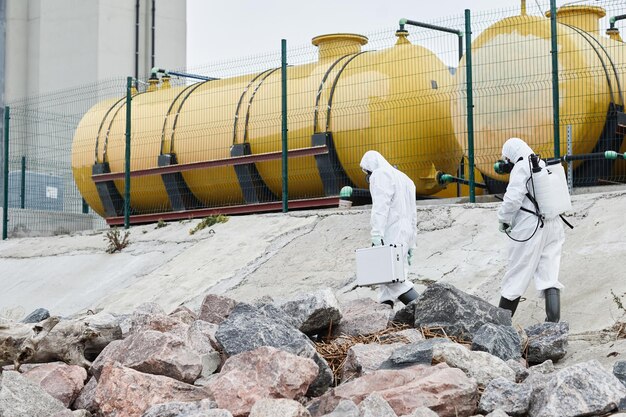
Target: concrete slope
280,255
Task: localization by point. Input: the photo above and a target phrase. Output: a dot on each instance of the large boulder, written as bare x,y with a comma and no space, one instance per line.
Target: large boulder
547,341
458,313
248,328
154,353
363,316
312,313
479,365
619,370
581,390
21,397
501,341
64,382
123,391
447,391
265,372
507,396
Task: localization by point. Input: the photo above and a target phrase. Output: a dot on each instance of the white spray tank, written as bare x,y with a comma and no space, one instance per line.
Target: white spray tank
550,188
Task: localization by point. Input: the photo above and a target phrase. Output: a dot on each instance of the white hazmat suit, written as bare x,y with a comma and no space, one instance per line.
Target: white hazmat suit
394,214
538,258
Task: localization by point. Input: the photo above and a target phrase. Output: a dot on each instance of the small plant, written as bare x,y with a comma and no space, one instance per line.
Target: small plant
161,223
208,222
116,240
618,301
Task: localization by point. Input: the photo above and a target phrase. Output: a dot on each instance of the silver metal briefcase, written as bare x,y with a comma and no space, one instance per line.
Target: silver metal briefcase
379,265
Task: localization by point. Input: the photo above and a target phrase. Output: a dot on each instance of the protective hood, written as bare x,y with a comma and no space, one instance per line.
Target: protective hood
515,148
372,161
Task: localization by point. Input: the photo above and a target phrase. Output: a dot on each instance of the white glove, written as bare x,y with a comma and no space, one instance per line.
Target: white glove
504,227
377,241
410,256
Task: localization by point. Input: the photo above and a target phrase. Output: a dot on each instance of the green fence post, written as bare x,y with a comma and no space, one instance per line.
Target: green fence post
470,105
5,176
23,183
555,81
129,85
283,72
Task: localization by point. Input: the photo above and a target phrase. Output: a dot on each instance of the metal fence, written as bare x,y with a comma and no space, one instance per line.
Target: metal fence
175,147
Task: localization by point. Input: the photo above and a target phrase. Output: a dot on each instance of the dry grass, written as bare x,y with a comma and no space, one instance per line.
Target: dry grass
335,351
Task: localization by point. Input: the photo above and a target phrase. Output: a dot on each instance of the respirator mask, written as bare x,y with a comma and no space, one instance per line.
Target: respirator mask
503,166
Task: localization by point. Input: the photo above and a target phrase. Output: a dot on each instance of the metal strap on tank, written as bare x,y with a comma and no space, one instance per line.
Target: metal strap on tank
332,90
319,92
586,37
245,132
169,111
106,137
241,100
191,90
102,124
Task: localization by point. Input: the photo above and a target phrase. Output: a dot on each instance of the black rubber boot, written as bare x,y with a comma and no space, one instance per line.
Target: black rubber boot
510,305
408,296
388,302
553,304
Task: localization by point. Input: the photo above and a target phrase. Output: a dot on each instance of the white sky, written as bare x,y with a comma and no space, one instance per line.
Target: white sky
222,30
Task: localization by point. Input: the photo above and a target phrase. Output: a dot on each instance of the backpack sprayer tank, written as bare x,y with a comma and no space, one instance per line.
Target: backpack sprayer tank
550,188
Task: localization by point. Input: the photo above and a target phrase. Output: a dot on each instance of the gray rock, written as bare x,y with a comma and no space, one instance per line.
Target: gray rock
363,316
580,390
248,328
622,405
312,313
414,353
619,370
547,341
406,315
374,405
179,409
521,372
345,408
36,316
512,398
363,359
20,397
458,313
500,341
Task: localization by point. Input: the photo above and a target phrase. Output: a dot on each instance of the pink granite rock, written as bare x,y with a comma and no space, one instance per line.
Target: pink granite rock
63,382
124,392
265,372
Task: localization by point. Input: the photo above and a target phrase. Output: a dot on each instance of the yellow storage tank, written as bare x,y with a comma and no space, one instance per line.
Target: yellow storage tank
395,101
512,79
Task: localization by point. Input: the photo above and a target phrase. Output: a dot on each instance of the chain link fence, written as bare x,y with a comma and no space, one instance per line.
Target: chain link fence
215,145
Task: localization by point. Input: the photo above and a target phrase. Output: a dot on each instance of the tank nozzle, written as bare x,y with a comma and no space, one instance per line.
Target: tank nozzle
534,160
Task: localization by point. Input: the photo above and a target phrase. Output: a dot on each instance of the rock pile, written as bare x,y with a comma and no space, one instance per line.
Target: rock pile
270,359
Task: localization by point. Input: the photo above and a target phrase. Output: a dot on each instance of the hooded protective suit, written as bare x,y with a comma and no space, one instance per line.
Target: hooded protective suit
538,258
394,213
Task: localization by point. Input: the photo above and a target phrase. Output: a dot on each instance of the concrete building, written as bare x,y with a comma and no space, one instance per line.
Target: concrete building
60,57
58,44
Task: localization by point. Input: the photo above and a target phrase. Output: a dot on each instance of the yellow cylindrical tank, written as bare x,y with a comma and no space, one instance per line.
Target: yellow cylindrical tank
395,101
512,79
